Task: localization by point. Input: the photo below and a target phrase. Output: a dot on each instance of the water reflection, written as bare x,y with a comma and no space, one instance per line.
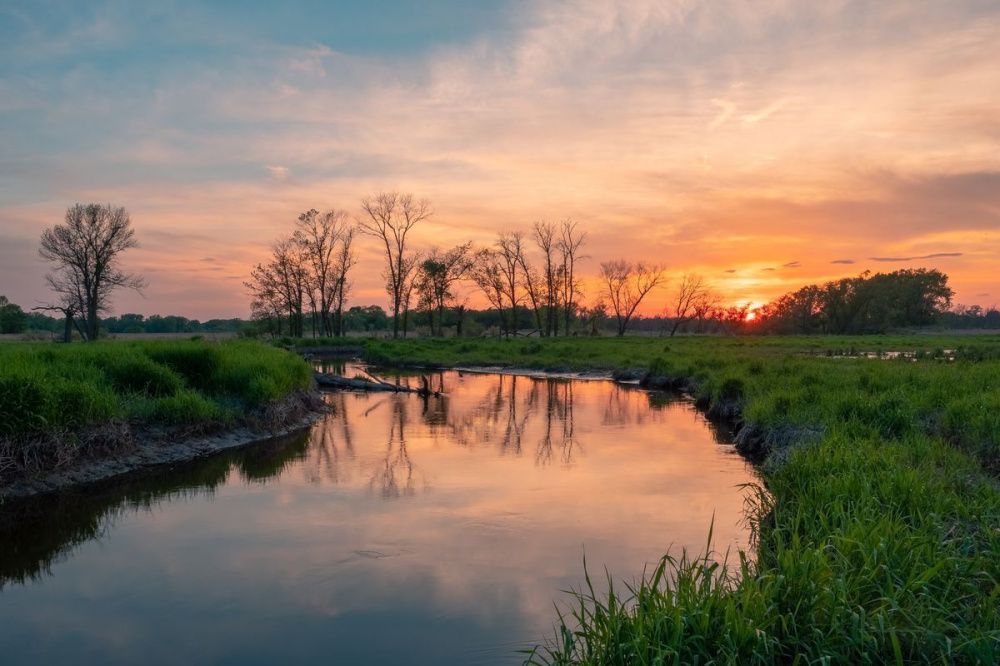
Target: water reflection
399,529
38,533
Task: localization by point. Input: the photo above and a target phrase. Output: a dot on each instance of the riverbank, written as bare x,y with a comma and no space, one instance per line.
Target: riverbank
879,537
72,414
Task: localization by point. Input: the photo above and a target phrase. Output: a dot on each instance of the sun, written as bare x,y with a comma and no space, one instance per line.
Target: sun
751,315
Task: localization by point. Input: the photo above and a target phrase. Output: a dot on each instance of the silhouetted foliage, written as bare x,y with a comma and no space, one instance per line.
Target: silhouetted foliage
869,303
12,317
625,285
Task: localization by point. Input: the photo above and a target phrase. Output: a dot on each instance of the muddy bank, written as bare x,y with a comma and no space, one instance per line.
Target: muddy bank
150,448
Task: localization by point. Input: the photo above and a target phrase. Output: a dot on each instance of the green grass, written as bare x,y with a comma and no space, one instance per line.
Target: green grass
879,534
49,390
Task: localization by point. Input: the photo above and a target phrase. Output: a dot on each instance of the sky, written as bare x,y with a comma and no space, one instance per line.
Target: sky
763,145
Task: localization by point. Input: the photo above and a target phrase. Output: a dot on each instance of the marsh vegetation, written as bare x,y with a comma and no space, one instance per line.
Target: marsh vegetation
60,403
879,536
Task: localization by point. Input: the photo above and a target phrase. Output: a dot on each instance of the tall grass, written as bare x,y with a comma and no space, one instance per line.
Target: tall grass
58,392
880,541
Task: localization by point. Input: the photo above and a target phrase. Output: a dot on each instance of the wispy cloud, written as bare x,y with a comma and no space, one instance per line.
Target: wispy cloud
935,255
689,136
278,172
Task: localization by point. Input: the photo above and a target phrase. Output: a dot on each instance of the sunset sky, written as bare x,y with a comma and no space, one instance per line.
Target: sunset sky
764,145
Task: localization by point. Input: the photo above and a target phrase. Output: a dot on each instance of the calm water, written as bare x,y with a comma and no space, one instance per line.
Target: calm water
397,530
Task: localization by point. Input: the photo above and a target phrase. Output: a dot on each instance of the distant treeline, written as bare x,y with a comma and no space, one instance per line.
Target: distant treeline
137,323
869,303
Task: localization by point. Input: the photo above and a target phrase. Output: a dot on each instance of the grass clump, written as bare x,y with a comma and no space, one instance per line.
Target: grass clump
196,363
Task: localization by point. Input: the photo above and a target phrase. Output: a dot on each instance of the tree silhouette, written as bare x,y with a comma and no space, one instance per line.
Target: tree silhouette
86,250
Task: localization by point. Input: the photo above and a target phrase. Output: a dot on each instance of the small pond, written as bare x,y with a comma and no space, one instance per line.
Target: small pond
396,530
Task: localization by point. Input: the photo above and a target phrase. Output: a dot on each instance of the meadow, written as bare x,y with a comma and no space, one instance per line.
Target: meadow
878,532
62,402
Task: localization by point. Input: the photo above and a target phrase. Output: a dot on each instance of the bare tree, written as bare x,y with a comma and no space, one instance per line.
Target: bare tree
692,301
546,240
278,288
533,283
68,311
570,242
509,251
625,285
389,217
343,263
436,278
266,305
488,274
86,250
408,275
319,234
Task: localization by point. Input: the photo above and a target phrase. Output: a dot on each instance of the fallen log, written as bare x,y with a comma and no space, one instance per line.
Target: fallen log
331,381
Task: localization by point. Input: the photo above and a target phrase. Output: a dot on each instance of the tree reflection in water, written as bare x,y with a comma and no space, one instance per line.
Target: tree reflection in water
393,476
502,412
36,533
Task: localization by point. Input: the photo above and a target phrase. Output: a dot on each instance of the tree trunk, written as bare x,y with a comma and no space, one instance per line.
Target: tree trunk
92,323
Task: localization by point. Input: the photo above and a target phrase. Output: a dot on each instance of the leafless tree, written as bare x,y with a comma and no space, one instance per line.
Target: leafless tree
436,279
389,217
570,242
280,286
625,285
509,250
319,234
343,262
531,280
692,300
488,274
86,250
408,275
546,240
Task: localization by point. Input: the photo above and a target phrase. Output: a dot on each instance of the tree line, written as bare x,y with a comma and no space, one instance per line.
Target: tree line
531,281
537,272
534,272
868,303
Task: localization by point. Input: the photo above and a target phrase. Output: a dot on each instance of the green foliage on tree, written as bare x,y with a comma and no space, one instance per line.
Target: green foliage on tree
12,317
864,304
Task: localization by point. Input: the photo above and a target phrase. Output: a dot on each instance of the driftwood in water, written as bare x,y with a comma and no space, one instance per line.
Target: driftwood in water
328,380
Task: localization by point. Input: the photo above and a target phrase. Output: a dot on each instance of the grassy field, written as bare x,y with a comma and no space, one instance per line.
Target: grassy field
879,534
58,401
